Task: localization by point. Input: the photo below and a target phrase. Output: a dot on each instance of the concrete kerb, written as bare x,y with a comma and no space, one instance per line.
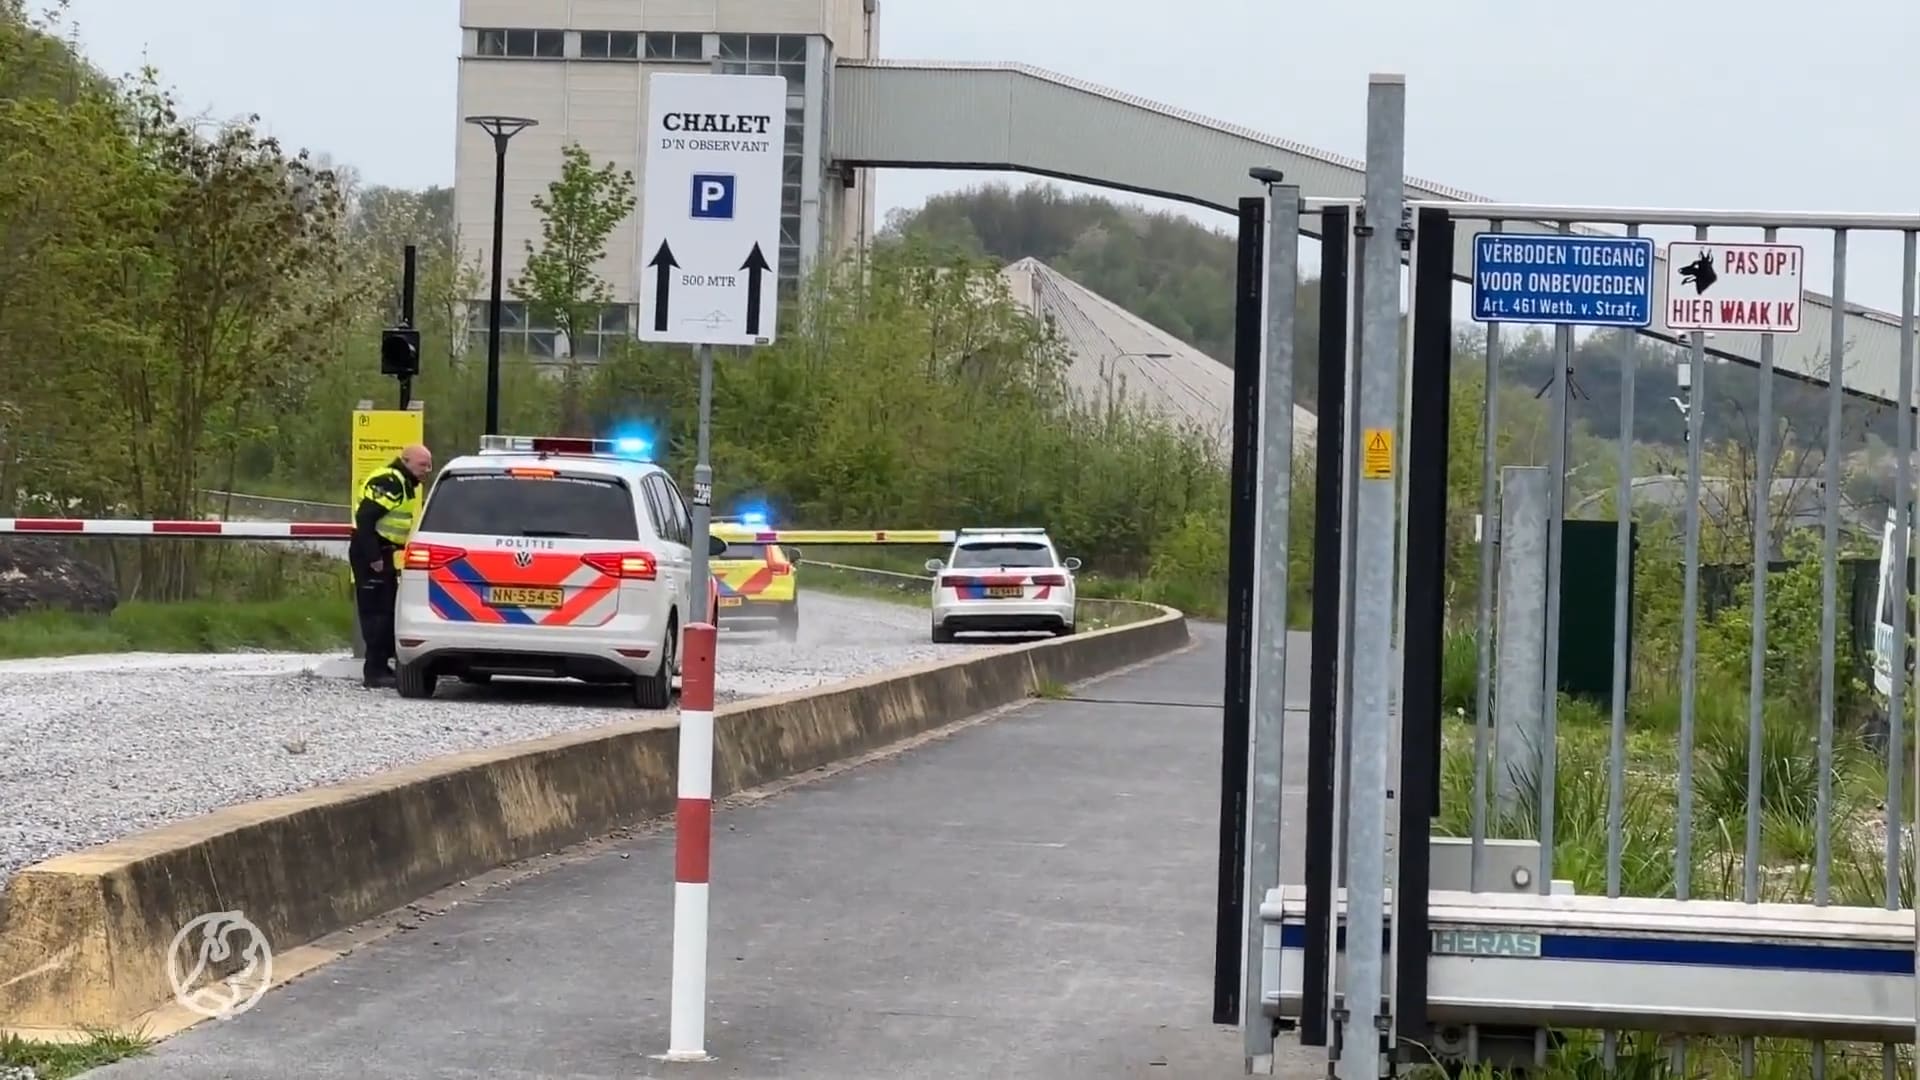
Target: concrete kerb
84,937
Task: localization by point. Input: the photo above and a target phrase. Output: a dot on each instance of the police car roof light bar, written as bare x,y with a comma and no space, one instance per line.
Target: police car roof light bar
560,444
1034,530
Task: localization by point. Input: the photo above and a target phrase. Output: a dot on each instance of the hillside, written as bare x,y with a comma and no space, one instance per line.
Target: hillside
1178,274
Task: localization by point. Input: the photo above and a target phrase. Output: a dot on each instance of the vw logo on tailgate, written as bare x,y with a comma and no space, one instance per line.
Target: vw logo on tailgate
523,558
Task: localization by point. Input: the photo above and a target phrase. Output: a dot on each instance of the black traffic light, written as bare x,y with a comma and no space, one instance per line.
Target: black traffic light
400,352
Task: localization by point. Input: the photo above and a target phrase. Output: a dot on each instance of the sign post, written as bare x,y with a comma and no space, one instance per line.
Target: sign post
710,241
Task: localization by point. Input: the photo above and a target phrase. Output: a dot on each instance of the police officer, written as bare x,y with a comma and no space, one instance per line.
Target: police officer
389,500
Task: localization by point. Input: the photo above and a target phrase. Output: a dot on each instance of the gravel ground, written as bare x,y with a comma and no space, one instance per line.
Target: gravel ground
95,747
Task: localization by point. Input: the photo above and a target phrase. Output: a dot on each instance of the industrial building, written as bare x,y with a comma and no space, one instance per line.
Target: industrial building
1114,355
579,68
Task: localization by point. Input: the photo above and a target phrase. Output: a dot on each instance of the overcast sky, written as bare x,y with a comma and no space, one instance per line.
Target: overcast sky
1722,103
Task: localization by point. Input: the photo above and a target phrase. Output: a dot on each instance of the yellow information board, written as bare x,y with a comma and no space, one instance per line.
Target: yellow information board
378,437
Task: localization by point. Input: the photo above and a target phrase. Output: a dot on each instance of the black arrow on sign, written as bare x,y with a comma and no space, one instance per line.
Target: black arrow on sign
665,261
755,265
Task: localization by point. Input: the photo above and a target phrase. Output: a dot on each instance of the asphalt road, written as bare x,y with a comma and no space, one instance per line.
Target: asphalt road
1030,897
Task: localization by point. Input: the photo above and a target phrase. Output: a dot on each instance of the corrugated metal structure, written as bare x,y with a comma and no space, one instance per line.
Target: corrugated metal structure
1011,117
1116,355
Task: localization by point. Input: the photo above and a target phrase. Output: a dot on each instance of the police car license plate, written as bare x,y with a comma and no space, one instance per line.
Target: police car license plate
1004,592
730,601
519,596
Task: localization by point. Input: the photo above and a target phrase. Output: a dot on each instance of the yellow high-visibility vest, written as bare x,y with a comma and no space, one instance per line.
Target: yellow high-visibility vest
396,525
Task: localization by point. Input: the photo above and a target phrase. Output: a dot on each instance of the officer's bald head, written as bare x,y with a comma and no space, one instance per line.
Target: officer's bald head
418,460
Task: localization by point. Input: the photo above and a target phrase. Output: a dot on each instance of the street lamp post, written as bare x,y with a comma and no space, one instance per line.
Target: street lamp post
502,128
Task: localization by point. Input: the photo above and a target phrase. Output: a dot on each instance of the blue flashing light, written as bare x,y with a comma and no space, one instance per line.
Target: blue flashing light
634,446
756,518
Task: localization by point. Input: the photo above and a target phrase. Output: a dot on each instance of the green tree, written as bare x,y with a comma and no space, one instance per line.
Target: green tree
67,233
562,281
580,210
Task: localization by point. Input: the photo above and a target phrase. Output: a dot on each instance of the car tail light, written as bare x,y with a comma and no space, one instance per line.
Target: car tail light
630,565
431,556
1049,579
952,581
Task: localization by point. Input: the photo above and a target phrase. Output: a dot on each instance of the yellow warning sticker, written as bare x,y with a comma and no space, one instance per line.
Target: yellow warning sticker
1376,460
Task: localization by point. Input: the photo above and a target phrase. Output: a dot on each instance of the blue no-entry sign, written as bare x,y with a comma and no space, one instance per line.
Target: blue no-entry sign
1574,280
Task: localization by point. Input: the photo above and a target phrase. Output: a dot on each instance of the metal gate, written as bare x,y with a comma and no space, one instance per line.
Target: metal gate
1710,864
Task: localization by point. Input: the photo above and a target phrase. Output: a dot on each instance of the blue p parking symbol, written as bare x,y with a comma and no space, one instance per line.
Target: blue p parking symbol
713,196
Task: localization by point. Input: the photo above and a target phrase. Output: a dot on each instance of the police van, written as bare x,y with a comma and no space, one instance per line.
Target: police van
551,558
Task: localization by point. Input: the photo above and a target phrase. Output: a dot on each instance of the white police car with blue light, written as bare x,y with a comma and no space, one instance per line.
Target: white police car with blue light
550,557
1002,580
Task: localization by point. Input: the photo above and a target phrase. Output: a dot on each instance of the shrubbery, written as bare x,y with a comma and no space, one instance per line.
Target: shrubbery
215,304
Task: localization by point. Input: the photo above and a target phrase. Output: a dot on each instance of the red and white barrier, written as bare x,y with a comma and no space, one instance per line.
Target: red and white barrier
189,528
692,848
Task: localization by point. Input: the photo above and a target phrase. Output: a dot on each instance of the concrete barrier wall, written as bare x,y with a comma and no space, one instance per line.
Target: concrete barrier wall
84,937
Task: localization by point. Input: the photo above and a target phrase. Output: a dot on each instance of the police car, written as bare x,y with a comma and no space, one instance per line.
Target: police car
1002,579
551,558
756,577
1888,620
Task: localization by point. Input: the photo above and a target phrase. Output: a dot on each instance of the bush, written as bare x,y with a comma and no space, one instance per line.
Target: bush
249,596
295,625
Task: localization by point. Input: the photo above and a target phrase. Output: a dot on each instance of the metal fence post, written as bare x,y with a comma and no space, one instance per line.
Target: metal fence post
1229,928
1520,639
1424,628
1323,753
1269,646
1368,1015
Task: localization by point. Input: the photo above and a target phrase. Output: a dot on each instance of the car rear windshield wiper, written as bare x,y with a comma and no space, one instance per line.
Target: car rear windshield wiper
558,533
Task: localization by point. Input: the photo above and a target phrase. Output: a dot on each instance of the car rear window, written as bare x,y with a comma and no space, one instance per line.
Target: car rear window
1017,553
495,504
743,551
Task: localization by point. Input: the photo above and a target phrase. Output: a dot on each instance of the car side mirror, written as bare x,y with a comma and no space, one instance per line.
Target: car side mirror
793,555
715,546
934,565
1071,563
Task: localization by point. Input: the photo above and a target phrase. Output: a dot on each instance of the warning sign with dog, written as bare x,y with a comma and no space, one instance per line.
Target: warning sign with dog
1742,288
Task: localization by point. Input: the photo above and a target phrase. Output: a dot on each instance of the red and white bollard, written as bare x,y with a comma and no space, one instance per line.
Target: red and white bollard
692,847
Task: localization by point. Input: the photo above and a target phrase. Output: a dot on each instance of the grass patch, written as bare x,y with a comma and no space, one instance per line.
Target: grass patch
57,1061
899,558
861,586
243,596
1641,1056
1051,690
1788,791
308,624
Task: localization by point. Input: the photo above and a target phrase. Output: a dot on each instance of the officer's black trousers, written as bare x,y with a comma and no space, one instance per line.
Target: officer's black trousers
374,594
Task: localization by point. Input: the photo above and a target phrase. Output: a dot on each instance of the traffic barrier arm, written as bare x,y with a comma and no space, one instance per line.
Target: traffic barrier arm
214,529
189,528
